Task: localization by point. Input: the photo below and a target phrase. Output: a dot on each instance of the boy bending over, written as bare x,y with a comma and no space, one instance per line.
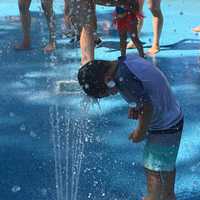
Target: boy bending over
160,119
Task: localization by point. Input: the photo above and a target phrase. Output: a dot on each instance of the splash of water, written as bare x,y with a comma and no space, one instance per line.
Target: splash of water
88,102
68,136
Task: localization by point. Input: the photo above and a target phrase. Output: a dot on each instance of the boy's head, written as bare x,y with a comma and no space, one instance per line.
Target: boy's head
92,78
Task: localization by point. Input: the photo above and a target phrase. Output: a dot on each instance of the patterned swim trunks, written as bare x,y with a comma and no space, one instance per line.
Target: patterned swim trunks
161,148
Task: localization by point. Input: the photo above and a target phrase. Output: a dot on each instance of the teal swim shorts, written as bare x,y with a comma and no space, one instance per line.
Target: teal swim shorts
161,148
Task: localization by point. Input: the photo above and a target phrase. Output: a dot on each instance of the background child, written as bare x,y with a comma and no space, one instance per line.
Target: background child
126,19
160,119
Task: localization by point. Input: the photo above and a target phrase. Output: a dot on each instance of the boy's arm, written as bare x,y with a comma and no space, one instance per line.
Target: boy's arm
144,120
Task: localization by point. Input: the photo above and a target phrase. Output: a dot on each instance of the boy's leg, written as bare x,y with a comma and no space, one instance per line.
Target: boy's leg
47,6
135,39
160,185
26,23
154,6
139,25
123,38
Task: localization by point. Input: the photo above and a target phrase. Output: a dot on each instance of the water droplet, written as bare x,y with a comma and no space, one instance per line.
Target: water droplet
89,195
44,191
33,134
103,194
16,188
11,114
22,127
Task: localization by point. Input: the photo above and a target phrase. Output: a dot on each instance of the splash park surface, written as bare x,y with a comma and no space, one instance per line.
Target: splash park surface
53,146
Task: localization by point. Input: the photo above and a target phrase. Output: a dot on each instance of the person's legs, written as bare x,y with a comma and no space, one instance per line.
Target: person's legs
123,38
83,18
135,38
154,6
47,6
160,185
131,45
26,23
66,11
160,153
87,43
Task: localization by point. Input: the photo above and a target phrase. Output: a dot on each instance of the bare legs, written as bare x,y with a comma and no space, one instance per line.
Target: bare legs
26,23
154,6
87,43
47,6
123,38
160,185
134,38
139,25
25,16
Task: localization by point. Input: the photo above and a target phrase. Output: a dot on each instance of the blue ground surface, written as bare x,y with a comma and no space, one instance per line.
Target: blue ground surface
50,147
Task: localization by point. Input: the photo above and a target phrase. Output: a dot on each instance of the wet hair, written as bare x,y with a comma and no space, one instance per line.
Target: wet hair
91,77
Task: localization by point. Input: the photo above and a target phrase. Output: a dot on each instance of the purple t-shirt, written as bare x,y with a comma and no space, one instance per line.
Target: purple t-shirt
141,82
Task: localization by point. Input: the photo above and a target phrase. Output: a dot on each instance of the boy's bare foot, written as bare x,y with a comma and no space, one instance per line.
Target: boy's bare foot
196,29
153,50
50,47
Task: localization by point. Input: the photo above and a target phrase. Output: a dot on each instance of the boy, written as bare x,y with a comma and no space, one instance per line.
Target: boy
157,111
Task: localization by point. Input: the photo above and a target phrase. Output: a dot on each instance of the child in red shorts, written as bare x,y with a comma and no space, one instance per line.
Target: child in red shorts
126,19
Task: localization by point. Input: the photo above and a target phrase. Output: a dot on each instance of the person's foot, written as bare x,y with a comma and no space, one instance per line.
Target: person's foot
196,29
153,50
50,47
22,47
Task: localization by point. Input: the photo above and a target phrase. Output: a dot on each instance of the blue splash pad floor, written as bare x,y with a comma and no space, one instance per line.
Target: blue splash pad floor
36,121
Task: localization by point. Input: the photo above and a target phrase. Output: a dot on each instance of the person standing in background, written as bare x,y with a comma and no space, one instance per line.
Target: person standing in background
47,6
155,8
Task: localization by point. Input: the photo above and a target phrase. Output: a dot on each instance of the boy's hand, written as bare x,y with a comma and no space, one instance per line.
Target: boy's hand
136,136
133,113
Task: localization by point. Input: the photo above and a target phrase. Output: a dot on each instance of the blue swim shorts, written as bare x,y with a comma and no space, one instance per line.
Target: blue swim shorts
161,148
